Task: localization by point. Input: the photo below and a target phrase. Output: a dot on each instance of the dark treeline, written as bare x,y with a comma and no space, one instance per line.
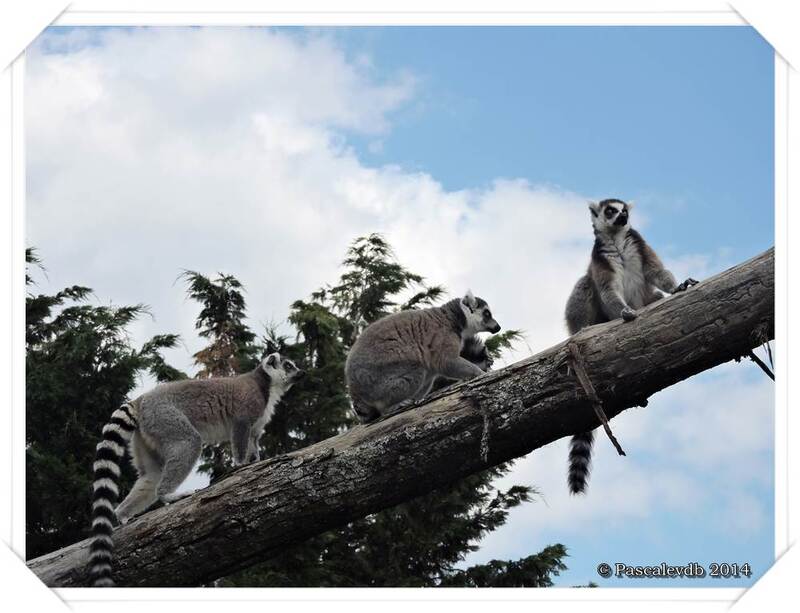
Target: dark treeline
81,364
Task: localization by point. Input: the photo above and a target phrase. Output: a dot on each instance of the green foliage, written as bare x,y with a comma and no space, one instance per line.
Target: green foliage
80,366
31,257
503,340
155,362
533,571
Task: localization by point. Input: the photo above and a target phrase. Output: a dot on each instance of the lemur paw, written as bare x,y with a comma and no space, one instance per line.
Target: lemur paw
628,314
685,285
170,498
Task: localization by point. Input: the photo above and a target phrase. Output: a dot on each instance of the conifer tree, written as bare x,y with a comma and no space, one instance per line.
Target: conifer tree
221,321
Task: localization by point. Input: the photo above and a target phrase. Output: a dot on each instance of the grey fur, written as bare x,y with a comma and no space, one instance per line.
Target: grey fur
165,429
624,275
397,359
473,350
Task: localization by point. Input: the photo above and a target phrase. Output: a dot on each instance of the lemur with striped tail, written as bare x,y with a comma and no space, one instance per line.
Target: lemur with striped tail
165,429
624,275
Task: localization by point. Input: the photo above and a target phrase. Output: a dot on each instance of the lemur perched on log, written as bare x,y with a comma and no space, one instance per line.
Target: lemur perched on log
624,275
165,428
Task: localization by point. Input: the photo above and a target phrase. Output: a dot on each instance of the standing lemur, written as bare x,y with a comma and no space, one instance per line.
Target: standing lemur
397,359
165,428
624,274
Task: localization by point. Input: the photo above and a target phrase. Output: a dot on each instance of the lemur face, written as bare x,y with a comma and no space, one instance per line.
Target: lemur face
479,316
610,215
282,369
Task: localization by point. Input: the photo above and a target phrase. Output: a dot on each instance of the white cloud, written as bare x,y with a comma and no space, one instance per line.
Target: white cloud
161,150
226,150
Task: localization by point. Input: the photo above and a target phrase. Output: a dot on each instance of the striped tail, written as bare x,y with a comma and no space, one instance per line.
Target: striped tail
580,459
116,434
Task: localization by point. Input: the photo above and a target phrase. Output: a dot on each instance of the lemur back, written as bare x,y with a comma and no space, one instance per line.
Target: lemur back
164,429
624,275
397,359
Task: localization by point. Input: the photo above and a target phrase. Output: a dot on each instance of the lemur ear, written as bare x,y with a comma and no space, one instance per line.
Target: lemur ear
630,204
273,359
469,300
594,208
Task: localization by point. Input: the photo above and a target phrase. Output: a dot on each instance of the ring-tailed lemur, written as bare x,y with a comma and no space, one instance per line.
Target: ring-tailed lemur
396,360
624,274
165,429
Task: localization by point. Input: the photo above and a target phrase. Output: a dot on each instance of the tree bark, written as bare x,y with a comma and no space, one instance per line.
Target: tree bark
265,507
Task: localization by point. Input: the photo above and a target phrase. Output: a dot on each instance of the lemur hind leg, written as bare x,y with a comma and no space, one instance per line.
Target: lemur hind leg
581,311
180,458
407,390
143,492
407,382
177,441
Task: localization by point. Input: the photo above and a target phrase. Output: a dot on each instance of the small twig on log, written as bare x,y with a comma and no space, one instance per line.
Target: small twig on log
597,405
761,364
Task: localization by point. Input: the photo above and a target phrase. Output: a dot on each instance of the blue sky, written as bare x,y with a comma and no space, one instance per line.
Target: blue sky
676,118
468,147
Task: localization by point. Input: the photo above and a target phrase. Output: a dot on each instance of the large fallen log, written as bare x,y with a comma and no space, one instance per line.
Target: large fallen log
265,507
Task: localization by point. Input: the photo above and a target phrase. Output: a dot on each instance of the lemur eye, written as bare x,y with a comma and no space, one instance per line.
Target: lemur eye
487,314
610,212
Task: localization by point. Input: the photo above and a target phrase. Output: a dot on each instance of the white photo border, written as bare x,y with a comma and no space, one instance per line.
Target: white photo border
12,167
